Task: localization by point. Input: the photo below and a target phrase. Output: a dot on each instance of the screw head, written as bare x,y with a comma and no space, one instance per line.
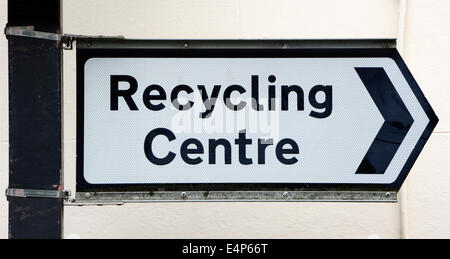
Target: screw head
285,194
186,45
183,195
87,195
388,195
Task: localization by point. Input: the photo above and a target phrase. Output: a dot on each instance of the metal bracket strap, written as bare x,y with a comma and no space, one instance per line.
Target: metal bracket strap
66,39
28,31
31,193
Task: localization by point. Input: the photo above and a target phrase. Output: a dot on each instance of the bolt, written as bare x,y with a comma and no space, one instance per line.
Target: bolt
285,194
385,44
183,195
87,195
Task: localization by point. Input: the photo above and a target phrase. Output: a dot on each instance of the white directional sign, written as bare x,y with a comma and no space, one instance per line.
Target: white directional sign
148,117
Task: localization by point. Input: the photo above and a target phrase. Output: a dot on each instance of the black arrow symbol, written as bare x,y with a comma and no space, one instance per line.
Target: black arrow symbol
397,120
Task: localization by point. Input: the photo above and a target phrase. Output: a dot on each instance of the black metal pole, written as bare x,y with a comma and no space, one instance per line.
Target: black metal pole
35,120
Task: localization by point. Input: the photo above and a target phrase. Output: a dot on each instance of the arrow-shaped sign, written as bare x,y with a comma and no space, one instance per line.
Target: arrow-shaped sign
298,117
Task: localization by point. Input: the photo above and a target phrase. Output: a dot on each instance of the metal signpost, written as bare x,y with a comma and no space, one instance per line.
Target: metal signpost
35,153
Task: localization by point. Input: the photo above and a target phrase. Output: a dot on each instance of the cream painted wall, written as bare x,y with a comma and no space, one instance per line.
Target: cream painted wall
426,52
233,18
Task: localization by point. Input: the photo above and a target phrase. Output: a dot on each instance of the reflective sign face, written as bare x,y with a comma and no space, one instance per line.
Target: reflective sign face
239,117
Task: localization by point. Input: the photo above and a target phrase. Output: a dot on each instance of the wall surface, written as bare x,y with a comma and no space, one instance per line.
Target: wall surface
426,41
427,53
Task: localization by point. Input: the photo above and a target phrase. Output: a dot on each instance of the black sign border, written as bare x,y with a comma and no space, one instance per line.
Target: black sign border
83,54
